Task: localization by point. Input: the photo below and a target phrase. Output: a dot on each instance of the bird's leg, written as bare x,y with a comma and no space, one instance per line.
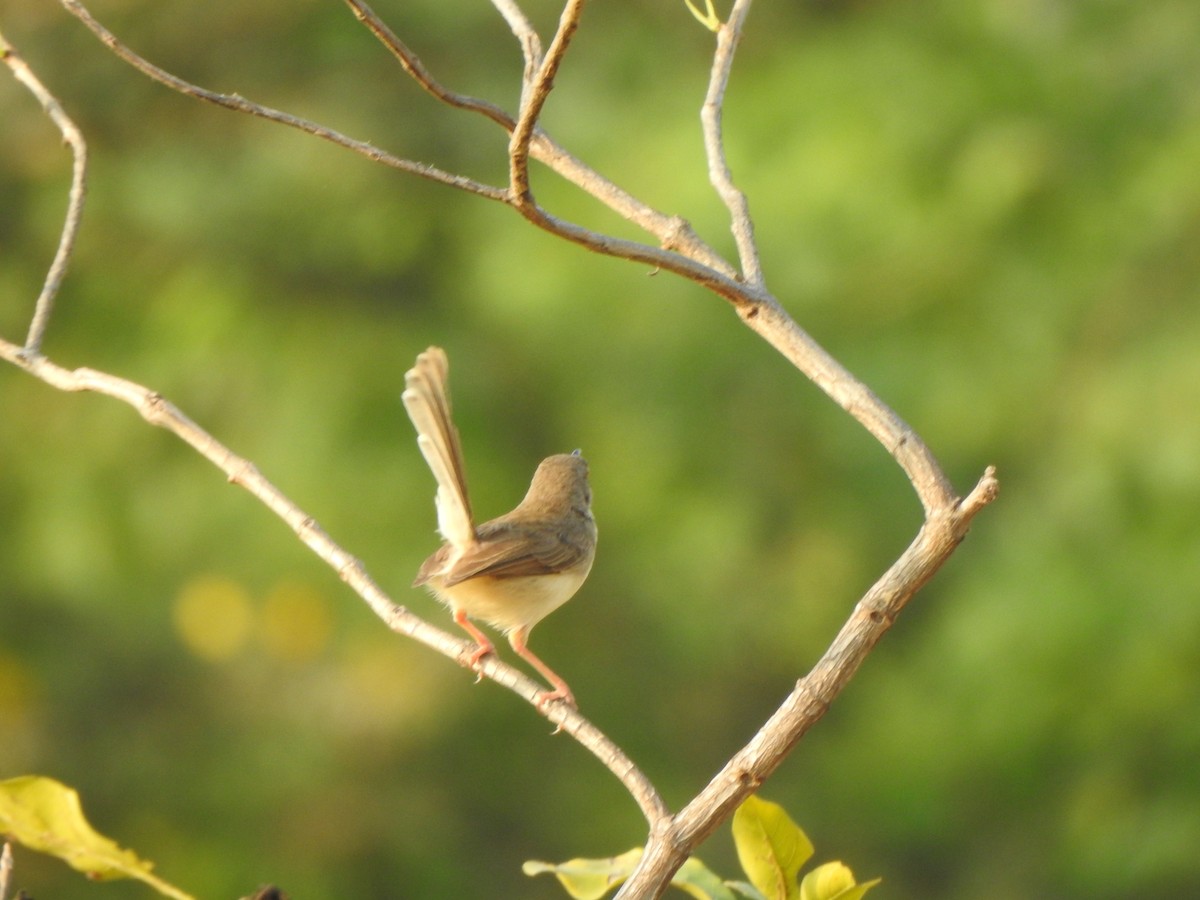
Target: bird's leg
517,638
484,645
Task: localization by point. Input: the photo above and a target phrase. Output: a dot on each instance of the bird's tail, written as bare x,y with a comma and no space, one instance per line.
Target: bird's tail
427,398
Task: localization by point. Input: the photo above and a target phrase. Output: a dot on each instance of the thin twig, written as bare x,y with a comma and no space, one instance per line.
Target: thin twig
416,69
73,137
673,232
527,37
719,173
533,101
239,103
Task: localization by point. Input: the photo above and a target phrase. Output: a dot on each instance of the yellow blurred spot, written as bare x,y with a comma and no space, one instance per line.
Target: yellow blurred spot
384,686
212,617
295,622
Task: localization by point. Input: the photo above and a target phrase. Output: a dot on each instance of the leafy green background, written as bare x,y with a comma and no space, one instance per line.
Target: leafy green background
989,209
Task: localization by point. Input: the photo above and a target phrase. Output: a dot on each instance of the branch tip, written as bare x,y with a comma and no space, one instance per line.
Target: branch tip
986,491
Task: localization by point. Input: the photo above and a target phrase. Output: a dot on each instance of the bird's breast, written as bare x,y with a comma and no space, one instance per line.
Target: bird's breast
508,603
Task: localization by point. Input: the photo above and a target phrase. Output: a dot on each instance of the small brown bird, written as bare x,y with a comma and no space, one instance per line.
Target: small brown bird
512,571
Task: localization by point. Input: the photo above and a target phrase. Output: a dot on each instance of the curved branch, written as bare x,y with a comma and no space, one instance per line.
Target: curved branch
73,137
527,37
240,104
719,173
772,322
682,252
673,232
417,71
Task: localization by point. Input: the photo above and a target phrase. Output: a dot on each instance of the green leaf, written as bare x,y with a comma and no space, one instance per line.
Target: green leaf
45,815
588,879
833,881
698,880
770,847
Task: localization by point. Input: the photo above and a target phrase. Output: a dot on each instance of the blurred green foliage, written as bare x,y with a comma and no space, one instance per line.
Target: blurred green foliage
989,209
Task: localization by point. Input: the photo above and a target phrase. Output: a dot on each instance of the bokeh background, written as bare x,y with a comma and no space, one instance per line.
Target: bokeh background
988,209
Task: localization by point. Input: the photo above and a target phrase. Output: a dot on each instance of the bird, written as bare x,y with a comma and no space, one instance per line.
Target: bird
512,571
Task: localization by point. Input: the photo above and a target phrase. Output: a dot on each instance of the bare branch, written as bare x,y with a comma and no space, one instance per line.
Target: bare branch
240,104
534,99
527,37
728,36
673,232
814,693
416,69
772,322
73,137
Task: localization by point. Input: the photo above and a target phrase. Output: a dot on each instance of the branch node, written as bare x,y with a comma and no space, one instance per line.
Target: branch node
153,407
749,779
678,235
350,569
242,473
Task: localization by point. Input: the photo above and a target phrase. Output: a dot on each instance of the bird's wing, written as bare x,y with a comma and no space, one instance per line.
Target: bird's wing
503,551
